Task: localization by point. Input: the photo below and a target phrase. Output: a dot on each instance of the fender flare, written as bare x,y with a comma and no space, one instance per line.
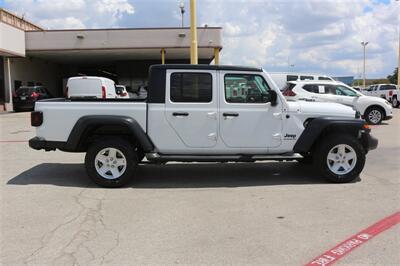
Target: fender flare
321,125
86,122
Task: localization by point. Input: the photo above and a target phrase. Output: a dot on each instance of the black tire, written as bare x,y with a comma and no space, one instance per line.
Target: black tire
324,147
395,102
372,110
125,148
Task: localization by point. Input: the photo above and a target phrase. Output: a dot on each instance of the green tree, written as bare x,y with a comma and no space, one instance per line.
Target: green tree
393,78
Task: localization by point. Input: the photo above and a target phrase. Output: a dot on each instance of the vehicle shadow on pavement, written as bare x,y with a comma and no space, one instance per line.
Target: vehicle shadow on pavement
182,175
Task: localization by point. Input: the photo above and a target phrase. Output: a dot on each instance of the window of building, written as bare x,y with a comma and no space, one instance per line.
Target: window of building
246,88
191,87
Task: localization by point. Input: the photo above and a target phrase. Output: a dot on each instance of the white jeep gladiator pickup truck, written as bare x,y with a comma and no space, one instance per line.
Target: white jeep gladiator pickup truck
203,113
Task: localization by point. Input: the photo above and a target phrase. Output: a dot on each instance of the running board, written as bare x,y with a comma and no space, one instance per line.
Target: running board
156,157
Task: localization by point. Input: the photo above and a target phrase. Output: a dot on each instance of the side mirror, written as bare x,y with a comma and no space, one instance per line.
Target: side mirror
274,98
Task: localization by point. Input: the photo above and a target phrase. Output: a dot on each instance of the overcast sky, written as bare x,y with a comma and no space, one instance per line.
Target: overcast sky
321,36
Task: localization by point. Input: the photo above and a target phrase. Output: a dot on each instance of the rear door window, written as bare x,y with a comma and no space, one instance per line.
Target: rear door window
387,87
313,88
306,77
191,87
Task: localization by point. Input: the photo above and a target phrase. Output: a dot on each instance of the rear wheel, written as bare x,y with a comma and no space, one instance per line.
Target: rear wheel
111,162
340,158
374,115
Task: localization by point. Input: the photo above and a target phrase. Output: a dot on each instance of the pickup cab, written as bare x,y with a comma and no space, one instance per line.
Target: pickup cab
384,91
203,113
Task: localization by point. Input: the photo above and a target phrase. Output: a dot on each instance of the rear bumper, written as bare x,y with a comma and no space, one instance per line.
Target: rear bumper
37,143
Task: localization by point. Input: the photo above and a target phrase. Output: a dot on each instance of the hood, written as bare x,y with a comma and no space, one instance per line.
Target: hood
321,109
372,98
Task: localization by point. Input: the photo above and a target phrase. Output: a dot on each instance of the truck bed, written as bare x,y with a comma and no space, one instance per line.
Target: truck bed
60,115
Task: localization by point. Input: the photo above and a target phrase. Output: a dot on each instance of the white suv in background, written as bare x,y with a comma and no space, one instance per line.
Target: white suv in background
372,109
280,78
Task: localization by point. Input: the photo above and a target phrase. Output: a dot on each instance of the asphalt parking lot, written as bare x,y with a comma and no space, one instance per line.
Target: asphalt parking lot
263,213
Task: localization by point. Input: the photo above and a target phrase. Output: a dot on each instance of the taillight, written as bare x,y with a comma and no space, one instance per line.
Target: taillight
103,92
36,118
289,93
390,93
124,94
14,94
34,95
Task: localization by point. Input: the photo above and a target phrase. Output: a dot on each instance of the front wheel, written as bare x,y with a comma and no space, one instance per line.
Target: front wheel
340,158
395,102
111,162
374,115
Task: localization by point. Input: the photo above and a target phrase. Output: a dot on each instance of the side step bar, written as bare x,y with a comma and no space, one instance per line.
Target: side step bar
156,157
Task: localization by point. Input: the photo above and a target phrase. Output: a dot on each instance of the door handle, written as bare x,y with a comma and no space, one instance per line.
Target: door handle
180,114
230,114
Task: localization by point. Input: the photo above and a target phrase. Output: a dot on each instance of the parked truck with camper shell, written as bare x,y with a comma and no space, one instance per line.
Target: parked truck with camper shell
193,114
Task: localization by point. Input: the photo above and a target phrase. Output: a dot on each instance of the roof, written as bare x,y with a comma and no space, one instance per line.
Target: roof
206,67
298,73
17,21
316,81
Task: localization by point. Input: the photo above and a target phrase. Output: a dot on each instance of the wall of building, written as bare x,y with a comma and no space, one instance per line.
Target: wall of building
30,70
121,38
12,40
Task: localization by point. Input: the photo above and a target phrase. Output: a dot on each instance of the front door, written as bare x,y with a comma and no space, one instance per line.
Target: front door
191,107
344,95
247,119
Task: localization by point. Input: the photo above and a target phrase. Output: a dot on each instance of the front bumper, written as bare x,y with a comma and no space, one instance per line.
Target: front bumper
388,117
370,142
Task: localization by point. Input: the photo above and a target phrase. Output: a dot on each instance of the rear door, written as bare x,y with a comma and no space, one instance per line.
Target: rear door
319,92
191,106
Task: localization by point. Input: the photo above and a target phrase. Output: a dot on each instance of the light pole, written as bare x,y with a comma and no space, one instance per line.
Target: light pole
182,7
364,44
193,33
398,60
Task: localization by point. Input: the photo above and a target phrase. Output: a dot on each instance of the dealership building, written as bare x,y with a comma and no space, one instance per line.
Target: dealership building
31,55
